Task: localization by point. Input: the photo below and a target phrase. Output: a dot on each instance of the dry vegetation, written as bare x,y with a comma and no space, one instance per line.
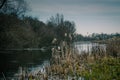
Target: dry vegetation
67,64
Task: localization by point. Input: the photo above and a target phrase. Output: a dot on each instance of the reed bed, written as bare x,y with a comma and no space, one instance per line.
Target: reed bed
99,65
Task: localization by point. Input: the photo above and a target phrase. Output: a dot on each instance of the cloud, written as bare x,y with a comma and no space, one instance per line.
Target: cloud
85,13
73,7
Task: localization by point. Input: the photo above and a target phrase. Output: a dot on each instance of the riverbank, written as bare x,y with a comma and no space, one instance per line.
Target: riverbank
68,64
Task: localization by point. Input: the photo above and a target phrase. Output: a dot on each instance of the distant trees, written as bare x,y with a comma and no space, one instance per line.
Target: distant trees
96,36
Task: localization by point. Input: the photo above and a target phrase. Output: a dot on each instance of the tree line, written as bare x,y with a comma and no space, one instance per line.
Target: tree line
96,37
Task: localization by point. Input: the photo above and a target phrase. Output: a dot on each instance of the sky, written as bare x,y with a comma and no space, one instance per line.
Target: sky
90,16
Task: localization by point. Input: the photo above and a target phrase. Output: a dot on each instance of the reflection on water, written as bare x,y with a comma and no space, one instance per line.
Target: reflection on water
88,46
10,61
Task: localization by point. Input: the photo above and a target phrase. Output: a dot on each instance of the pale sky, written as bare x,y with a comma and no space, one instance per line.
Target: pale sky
92,16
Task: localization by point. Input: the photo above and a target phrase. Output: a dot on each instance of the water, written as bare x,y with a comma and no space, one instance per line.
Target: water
11,61
87,46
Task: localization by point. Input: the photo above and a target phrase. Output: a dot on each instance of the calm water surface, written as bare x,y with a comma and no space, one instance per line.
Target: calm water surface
10,61
88,46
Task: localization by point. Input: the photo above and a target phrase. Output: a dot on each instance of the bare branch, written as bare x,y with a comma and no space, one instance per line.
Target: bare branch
3,2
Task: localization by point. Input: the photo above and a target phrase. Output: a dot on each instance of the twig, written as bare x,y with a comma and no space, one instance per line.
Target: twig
3,76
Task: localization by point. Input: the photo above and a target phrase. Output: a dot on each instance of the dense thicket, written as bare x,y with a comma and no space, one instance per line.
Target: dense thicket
28,32
20,31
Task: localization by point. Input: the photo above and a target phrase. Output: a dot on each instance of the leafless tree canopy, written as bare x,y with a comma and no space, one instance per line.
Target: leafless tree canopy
17,7
2,2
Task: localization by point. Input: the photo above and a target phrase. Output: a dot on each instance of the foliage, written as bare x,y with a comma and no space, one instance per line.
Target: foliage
104,69
20,31
15,33
27,32
113,47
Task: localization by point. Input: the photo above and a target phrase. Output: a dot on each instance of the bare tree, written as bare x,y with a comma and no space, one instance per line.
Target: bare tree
61,26
56,20
17,7
2,2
